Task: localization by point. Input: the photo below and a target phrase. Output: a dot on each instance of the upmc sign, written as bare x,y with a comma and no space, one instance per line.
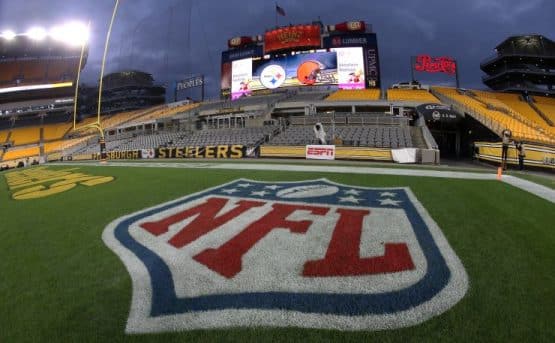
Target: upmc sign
320,152
300,36
369,44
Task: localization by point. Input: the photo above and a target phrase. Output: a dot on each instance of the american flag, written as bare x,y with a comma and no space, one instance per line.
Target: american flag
280,10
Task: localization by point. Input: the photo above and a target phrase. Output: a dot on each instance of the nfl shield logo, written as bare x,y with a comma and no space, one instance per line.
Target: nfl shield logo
308,254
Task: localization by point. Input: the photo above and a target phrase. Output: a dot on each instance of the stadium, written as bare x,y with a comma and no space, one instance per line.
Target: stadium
310,201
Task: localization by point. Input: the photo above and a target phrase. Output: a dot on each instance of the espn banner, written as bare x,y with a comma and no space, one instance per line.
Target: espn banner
320,152
536,155
209,151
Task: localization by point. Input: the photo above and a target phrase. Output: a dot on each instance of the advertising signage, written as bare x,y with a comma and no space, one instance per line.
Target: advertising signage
429,64
369,44
299,36
354,39
239,54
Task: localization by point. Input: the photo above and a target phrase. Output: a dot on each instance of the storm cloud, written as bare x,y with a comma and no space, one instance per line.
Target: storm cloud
175,38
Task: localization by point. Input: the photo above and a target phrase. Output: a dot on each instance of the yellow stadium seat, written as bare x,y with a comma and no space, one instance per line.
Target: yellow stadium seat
411,95
56,131
354,95
25,135
496,120
13,154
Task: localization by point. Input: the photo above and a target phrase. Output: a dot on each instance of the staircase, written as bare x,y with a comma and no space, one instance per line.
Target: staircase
417,136
540,113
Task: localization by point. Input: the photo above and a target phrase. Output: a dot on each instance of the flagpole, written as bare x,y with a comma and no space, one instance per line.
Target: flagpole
276,13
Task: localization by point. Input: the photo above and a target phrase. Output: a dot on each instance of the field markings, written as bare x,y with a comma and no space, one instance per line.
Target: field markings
528,186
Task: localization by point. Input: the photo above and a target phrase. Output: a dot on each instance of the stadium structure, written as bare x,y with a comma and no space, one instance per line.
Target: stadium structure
123,91
523,64
275,88
211,237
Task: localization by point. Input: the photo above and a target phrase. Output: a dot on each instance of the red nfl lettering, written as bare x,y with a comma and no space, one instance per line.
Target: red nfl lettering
226,260
205,222
342,257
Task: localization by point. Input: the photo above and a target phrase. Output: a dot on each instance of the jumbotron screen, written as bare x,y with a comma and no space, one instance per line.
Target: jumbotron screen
343,67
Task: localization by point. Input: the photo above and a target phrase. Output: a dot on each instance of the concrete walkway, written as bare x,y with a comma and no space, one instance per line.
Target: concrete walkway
528,186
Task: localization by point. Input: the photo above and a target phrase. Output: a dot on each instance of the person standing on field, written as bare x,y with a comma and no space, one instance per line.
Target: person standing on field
521,154
505,140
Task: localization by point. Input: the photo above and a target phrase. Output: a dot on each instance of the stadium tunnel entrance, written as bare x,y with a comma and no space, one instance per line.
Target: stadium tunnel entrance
456,139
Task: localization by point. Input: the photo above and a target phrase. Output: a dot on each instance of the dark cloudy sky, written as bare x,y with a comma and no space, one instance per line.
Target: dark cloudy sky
175,38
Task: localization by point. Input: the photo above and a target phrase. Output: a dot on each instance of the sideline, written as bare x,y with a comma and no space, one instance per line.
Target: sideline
528,186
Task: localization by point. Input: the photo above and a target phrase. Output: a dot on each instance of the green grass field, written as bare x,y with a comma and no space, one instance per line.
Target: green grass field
59,282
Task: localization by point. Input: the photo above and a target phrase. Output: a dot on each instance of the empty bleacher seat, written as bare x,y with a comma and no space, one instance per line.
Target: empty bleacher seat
420,95
354,95
496,120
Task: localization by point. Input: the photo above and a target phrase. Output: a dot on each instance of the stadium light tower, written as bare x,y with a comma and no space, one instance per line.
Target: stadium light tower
8,35
72,33
37,33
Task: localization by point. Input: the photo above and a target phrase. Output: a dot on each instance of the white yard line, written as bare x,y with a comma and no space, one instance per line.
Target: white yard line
528,186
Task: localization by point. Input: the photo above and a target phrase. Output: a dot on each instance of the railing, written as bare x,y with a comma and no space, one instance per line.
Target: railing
516,70
498,55
511,113
351,119
488,122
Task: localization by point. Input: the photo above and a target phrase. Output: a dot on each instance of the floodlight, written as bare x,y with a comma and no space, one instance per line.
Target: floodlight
57,33
72,33
36,33
8,35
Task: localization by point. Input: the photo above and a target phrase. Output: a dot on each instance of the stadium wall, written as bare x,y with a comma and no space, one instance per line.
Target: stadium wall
536,155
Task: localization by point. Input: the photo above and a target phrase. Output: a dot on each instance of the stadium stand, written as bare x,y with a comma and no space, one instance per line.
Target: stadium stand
61,145
495,120
9,71
59,70
420,95
512,104
306,96
355,95
245,136
25,135
368,136
546,106
15,153
161,112
56,131
4,136
34,70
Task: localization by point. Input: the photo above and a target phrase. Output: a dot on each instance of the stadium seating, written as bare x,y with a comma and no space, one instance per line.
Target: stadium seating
515,105
355,95
115,120
497,121
420,95
25,135
61,145
14,153
56,131
9,71
244,136
546,106
34,70
161,112
59,70
4,135
368,136
306,96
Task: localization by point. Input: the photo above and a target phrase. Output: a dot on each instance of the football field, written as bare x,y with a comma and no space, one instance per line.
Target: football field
69,273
